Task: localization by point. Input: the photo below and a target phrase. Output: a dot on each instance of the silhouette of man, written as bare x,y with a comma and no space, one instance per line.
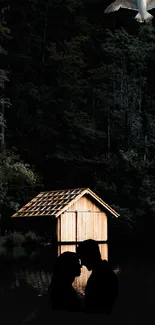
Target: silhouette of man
102,286
62,294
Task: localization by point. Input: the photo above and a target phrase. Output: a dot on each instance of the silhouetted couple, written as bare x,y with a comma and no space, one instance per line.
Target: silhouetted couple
101,288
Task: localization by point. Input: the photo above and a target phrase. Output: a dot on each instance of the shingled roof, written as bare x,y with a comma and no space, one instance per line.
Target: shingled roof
53,203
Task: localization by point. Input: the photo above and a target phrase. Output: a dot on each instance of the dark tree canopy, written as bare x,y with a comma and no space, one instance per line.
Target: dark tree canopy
82,113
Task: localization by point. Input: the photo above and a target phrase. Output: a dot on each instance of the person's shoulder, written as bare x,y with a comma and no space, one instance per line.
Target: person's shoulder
105,265
105,262
106,268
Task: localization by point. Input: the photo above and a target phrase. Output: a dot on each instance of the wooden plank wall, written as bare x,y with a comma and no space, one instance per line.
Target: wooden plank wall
92,225
104,251
68,227
91,222
64,248
59,229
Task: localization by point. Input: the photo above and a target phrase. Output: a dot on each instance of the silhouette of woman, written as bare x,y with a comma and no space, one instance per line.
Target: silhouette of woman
62,294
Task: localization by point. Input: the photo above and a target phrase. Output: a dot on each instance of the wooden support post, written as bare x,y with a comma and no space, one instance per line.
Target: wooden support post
60,229
76,221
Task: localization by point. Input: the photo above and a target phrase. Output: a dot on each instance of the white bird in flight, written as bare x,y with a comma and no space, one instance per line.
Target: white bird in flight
142,6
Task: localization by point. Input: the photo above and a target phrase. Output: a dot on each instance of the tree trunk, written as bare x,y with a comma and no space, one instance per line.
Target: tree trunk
109,137
2,126
44,39
145,148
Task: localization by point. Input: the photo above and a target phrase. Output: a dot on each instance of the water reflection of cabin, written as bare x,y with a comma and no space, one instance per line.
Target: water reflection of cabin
66,216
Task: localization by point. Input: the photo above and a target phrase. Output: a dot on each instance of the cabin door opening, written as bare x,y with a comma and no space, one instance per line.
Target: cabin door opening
76,226
92,225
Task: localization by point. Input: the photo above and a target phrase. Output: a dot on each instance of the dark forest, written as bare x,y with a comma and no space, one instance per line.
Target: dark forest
77,107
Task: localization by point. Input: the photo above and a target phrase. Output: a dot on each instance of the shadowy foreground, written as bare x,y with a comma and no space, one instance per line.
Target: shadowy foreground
135,303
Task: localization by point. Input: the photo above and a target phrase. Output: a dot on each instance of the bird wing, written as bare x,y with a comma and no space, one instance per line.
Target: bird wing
150,4
127,4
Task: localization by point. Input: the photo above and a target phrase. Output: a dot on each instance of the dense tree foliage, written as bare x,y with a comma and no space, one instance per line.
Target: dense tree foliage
82,100
18,180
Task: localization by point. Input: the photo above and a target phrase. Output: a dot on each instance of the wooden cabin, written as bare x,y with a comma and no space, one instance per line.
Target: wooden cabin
66,216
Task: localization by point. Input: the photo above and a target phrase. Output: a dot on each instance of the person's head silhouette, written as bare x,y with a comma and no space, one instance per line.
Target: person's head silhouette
67,267
63,295
89,253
